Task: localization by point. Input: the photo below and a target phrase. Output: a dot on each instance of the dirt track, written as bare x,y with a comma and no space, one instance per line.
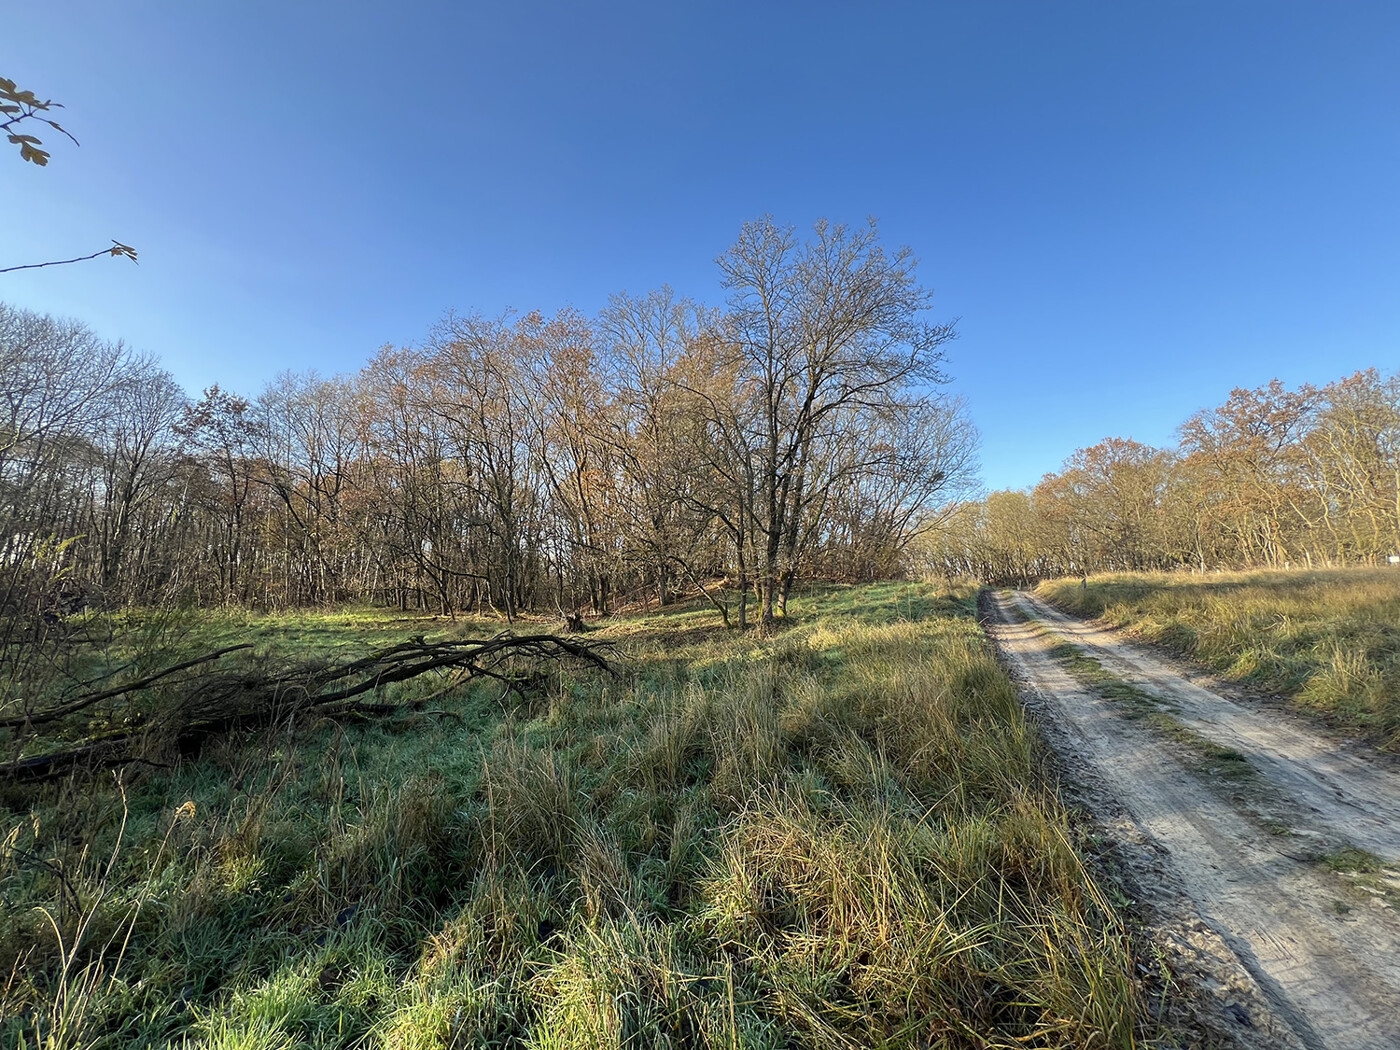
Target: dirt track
1323,949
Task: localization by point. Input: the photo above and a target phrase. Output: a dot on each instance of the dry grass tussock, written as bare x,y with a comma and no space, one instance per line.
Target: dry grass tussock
836,837
1329,640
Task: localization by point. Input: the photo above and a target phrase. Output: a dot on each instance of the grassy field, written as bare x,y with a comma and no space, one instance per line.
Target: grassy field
836,837
1327,640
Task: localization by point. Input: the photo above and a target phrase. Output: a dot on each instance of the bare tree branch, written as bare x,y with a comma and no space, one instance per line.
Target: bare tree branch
123,250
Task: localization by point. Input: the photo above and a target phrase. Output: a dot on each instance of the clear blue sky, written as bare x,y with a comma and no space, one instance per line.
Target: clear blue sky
1132,207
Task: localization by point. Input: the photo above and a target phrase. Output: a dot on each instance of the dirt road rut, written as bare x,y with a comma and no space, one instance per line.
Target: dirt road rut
1324,951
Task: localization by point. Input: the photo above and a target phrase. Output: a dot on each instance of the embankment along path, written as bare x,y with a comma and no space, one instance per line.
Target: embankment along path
1324,951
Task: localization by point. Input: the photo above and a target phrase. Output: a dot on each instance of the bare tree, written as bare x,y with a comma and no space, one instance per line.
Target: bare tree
138,448
822,330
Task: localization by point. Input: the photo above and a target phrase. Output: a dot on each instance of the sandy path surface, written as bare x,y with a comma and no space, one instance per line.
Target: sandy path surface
1325,956
1340,790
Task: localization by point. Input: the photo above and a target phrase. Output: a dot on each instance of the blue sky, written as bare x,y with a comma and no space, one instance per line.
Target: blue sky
1132,207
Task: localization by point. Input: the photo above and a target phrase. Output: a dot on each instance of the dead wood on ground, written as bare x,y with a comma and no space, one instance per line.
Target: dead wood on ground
212,701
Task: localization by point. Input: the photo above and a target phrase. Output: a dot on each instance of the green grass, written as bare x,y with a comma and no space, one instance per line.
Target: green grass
1329,640
293,633
838,836
1365,873
1351,859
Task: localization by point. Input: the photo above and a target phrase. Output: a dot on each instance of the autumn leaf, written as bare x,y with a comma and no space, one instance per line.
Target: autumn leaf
37,156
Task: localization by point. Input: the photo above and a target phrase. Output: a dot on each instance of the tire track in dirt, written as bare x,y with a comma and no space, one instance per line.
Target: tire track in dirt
1332,975
1341,792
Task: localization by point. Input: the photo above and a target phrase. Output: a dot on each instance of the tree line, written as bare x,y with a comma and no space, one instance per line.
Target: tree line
1273,477
519,463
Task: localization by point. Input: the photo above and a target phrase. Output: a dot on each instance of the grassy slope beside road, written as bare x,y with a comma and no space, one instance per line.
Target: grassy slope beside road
1327,640
836,837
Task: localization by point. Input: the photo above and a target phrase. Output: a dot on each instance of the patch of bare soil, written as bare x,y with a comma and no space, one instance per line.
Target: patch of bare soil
1292,953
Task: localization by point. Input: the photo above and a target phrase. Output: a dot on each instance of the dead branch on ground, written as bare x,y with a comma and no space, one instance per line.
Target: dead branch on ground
230,698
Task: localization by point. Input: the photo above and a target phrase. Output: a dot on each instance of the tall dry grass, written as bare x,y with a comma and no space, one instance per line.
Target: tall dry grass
1329,640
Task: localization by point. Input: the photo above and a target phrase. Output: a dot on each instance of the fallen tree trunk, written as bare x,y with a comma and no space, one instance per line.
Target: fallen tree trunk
214,702
53,714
